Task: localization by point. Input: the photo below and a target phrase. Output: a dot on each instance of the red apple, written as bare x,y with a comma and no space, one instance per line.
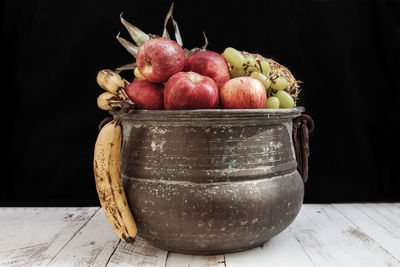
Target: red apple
243,92
146,95
210,64
159,58
190,90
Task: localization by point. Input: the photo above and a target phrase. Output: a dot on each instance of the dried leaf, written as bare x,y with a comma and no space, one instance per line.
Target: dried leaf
130,66
137,35
131,48
178,36
167,17
165,34
187,52
204,47
154,36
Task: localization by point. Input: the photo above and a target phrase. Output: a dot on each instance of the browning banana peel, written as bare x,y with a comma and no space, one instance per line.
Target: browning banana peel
107,173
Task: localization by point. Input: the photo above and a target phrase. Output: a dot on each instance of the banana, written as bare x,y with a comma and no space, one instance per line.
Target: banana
107,173
110,81
108,101
113,83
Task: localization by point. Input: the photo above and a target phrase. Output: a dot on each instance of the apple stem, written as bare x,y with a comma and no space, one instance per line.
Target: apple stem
148,62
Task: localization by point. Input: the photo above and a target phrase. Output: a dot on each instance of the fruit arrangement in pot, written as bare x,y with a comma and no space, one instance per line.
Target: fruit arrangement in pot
171,77
176,78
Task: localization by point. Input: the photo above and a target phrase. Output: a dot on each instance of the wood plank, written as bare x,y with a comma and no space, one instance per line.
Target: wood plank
393,208
339,234
33,236
386,239
93,245
184,260
331,239
387,219
282,250
140,253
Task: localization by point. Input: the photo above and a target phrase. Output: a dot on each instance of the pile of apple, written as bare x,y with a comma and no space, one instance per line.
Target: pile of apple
165,79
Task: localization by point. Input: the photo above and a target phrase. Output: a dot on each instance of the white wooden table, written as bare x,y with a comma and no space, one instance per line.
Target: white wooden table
322,235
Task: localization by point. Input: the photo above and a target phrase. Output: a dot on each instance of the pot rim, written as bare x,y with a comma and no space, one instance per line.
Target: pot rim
214,113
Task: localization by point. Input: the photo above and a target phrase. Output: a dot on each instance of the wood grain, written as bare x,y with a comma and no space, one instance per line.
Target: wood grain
330,239
369,226
93,245
141,253
184,260
383,216
33,236
282,250
356,234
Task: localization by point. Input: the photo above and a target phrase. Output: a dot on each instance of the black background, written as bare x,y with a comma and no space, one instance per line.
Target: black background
346,53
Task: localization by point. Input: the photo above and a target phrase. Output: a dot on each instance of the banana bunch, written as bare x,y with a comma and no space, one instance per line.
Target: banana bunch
115,96
106,161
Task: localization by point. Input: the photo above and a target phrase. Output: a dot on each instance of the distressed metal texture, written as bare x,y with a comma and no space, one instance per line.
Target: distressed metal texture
302,127
211,181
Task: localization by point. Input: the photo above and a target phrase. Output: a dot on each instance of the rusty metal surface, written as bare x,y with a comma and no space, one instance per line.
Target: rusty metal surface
302,127
211,181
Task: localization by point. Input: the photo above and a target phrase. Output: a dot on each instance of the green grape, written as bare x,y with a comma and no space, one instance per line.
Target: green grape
279,83
236,72
250,61
234,57
285,99
262,78
272,102
251,64
138,74
266,68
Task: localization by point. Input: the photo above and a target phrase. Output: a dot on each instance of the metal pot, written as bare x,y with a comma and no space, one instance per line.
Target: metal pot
211,181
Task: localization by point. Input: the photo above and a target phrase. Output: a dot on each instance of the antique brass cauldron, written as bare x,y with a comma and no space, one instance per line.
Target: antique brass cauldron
211,181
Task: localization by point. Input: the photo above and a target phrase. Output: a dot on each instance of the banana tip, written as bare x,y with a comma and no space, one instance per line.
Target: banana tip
128,239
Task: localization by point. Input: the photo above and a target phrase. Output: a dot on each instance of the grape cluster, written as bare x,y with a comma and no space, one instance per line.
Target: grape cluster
260,69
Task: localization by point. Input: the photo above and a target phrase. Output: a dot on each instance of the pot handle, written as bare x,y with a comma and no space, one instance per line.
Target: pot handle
302,127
